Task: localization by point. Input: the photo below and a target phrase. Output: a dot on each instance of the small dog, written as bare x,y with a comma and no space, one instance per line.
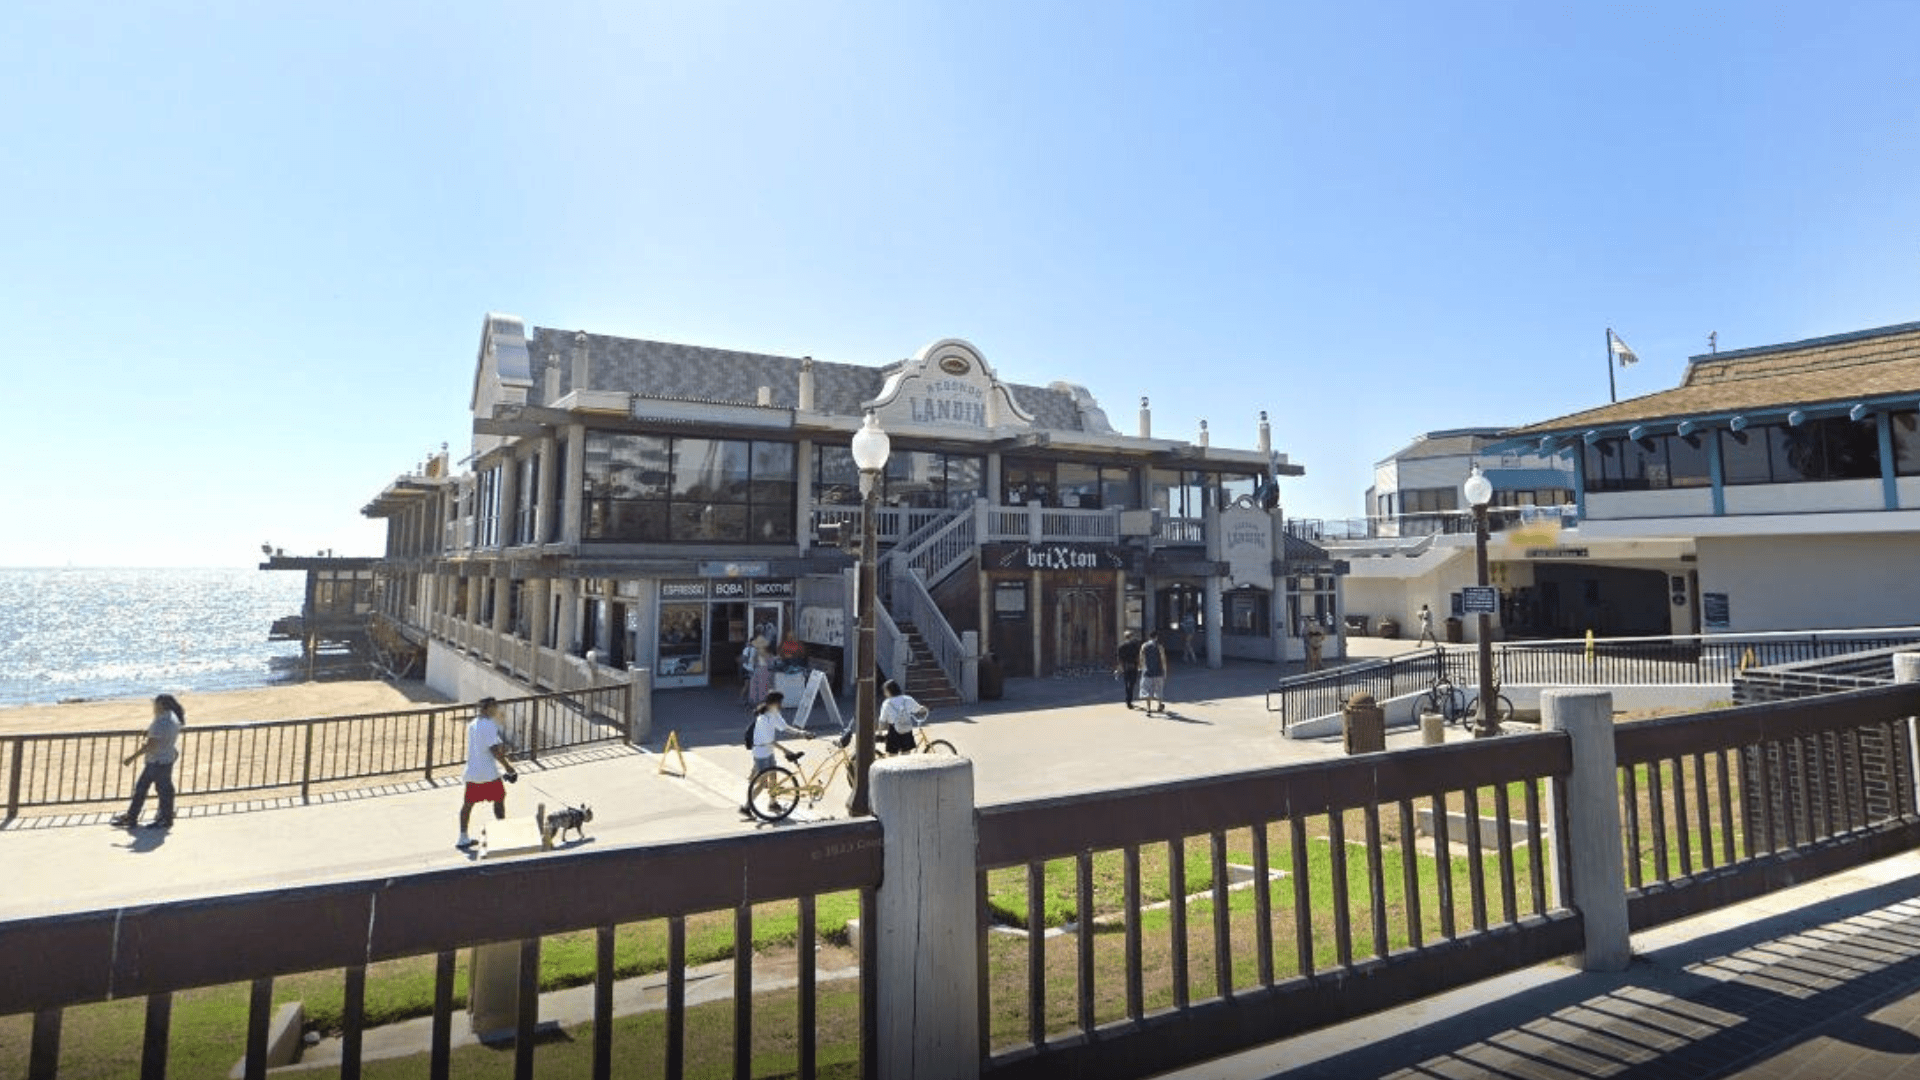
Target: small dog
567,819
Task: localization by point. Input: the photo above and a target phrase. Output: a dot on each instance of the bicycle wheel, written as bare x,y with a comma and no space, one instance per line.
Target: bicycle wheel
773,794
939,746
1505,706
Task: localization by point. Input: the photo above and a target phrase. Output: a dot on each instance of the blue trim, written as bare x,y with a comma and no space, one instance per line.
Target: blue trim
1889,481
1716,474
1580,480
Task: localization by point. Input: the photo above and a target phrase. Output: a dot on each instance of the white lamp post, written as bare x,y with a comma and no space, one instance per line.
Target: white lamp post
1479,492
870,449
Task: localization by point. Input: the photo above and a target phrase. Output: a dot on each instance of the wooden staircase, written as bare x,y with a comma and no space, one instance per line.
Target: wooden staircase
925,681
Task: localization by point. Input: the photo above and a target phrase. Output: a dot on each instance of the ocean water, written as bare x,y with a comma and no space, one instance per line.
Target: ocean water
113,633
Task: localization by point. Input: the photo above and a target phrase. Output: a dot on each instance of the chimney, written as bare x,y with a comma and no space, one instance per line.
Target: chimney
765,397
1146,419
806,384
1203,434
582,370
1266,437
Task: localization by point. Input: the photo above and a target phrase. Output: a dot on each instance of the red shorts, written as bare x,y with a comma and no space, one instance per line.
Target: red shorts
492,791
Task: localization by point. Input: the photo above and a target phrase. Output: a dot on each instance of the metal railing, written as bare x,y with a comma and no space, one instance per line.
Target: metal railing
1435,523
1828,660
46,771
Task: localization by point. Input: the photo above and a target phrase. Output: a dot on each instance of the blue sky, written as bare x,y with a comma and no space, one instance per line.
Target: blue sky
248,247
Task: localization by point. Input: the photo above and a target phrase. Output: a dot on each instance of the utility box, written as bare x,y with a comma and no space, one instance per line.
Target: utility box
1364,725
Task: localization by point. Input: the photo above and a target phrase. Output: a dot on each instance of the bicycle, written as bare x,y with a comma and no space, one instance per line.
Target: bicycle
1503,707
1441,697
774,793
922,743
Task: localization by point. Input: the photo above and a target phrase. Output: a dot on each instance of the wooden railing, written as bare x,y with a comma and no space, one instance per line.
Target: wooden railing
1110,935
155,951
1723,806
50,771
1346,930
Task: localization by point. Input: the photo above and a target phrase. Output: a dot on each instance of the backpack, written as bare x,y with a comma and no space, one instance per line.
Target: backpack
752,722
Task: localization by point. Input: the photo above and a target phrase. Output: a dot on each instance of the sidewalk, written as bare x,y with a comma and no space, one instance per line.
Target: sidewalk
1047,736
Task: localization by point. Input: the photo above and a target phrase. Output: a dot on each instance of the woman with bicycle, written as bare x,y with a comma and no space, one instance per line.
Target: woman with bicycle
900,715
768,725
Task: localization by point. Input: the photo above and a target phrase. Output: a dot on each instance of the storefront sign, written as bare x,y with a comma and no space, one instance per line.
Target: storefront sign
733,569
683,590
948,401
1480,600
1556,553
729,589
1246,539
771,589
1057,557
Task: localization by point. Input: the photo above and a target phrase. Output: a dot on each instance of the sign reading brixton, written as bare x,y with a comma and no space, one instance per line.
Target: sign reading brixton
1056,557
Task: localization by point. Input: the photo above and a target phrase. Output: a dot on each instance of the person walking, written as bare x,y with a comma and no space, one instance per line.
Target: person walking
161,749
900,716
1189,628
1316,640
761,684
1126,664
768,725
1426,626
486,765
1153,674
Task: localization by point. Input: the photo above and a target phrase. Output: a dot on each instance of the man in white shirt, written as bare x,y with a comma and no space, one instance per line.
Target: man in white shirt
900,715
486,763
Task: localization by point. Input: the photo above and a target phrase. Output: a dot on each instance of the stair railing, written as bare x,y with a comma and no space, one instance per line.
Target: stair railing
911,597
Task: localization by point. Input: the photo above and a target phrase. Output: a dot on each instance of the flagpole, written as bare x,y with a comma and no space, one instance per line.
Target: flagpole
1612,393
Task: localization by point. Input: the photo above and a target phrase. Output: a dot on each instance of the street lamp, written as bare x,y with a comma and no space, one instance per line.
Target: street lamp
1479,492
870,449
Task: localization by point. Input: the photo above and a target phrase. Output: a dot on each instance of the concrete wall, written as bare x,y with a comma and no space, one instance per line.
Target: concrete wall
1812,498
1812,582
1670,502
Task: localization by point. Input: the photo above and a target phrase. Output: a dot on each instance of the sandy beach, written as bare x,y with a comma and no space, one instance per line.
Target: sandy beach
285,701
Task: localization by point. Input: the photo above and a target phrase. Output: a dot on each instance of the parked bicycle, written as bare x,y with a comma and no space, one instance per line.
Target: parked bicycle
1503,708
1441,697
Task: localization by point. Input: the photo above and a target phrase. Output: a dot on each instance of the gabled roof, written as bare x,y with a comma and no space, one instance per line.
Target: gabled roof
1869,366
664,370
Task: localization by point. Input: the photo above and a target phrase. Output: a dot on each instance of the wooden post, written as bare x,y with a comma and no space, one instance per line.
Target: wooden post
1591,873
927,956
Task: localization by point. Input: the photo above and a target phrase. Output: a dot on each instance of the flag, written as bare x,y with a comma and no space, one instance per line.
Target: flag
1621,351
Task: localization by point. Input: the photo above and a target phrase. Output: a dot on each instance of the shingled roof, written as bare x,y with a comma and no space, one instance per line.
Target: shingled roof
668,371
1868,365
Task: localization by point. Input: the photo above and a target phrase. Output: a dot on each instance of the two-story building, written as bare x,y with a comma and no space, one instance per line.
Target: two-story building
658,505
1791,474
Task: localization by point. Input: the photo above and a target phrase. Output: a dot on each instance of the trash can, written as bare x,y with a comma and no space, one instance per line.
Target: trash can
1364,725
992,682
1433,729
1389,628
1455,630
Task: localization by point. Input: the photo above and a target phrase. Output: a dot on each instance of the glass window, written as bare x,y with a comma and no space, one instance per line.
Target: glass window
1022,482
1852,448
1079,485
1687,461
1601,465
1643,463
1743,456
649,488
1179,494
1906,442
1247,612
